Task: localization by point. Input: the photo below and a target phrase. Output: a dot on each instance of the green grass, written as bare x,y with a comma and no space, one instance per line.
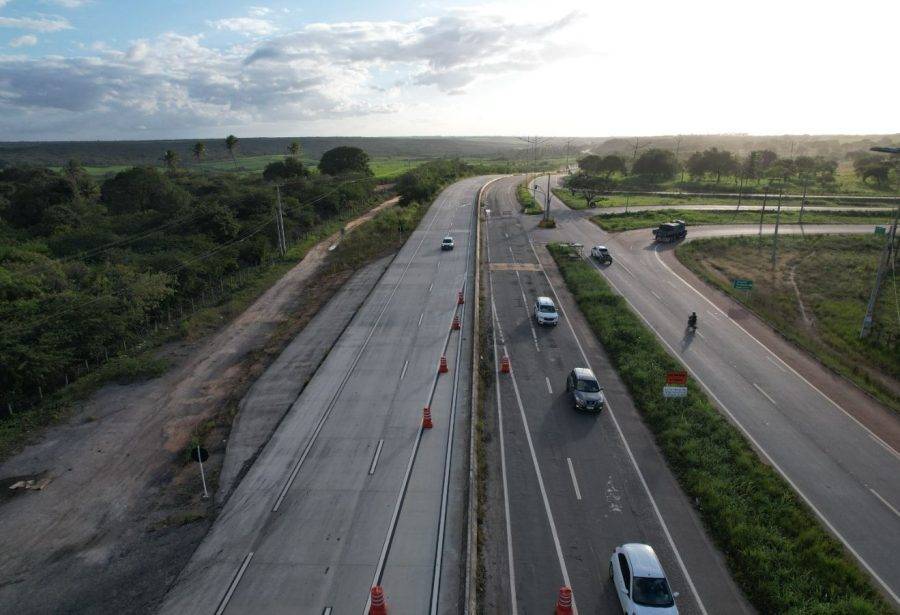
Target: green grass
834,275
526,201
779,555
647,219
572,201
575,201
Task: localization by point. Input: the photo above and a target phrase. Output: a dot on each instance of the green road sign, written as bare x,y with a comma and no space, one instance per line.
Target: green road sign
739,284
880,230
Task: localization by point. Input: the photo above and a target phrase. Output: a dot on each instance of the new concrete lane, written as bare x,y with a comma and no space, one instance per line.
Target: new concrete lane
844,470
572,488
307,527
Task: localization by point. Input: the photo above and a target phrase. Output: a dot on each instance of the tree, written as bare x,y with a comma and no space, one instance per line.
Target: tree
85,185
656,163
696,165
171,160
231,142
613,164
281,170
294,149
873,166
35,192
345,159
142,189
590,187
592,164
199,150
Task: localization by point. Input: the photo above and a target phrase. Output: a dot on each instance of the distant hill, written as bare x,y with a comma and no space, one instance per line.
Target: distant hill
104,153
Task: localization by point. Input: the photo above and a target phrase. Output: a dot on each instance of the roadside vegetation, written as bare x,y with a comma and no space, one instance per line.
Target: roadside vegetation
779,554
92,274
646,219
816,296
576,201
526,200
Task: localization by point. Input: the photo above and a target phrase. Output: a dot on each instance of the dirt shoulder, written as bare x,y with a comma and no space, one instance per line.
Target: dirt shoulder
121,512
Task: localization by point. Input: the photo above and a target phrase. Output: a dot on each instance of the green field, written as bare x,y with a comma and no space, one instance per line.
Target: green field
648,219
575,201
778,553
823,313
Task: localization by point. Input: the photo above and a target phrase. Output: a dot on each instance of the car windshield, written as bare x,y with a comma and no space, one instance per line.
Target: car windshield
587,386
448,240
546,309
651,592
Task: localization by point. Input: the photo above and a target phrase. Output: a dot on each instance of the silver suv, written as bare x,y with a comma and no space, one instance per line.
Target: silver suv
545,311
586,392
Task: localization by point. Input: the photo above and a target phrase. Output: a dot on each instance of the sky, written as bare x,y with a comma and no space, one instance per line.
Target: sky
159,69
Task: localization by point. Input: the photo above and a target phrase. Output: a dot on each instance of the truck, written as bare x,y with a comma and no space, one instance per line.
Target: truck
670,231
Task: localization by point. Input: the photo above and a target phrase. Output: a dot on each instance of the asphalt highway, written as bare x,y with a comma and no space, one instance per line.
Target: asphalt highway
351,491
841,455
574,486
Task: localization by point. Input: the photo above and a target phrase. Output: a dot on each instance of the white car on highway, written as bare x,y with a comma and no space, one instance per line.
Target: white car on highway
545,311
447,243
640,581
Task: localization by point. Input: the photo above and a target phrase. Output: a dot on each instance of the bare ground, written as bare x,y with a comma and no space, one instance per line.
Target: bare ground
122,512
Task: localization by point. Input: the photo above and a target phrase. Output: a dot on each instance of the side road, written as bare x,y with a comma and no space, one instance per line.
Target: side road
120,517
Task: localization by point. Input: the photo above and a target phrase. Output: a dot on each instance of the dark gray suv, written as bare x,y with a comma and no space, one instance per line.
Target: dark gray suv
586,392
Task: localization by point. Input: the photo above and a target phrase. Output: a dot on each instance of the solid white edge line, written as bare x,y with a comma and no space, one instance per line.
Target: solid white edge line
574,480
631,456
403,372
223,604
764,394
783,362
775,363
421,316
327,611
764,453
549,388
375,458
885,502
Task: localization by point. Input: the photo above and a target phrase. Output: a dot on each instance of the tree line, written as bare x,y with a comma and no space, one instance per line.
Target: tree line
85,265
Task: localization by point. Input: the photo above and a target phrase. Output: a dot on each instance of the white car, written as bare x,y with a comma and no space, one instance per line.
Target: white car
545,311
640,581
447,243
601,253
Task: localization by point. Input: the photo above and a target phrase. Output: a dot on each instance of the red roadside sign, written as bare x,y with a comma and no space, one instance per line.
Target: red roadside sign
679,378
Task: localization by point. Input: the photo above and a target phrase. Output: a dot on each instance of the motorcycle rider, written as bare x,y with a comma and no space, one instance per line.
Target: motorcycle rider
692,321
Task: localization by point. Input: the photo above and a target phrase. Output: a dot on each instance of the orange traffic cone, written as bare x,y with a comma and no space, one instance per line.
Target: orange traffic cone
455,325
504,365
459,298
564,602
426,418
443,368
378,606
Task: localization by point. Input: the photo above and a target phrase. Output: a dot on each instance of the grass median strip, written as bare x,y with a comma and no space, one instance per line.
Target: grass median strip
778,553
646,219
529,205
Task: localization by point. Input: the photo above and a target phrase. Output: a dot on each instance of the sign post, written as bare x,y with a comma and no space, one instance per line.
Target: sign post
676,385
200,455
742,284
880,230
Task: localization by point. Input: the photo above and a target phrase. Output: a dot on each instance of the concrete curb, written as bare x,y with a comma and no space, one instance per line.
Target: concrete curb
471,603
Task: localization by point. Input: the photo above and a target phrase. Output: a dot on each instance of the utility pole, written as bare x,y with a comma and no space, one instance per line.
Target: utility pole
762,211
678,147
803,200
887,256
775,238
568,141
740,192
279,221
547,207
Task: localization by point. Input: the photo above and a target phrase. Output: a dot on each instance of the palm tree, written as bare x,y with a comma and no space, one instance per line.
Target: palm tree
171,159
294,149
231,145
199,150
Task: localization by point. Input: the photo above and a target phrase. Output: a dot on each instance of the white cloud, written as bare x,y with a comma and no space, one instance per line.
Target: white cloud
69,4
251,26
26,40
38,24
175,84
259,11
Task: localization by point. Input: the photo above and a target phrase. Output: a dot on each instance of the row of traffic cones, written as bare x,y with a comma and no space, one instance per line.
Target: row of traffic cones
563,602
